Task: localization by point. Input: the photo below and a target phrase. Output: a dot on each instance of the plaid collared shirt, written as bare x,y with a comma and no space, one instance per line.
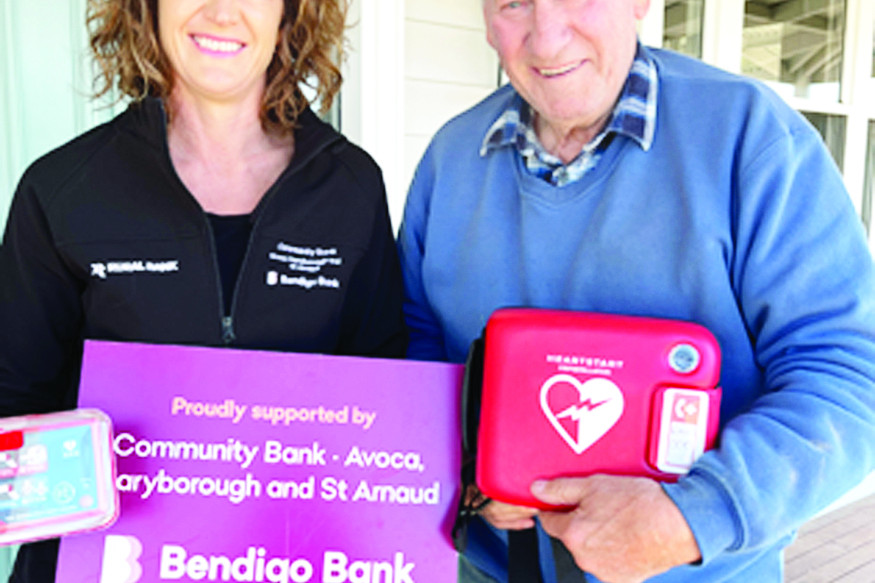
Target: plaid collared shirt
633,116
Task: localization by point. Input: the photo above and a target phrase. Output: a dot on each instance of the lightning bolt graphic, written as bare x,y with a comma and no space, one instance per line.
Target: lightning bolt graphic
576,412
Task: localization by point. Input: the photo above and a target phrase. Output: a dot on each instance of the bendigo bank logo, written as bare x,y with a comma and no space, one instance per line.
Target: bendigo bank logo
120,559
122,555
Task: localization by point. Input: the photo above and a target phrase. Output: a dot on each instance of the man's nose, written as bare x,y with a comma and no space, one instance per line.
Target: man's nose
550,29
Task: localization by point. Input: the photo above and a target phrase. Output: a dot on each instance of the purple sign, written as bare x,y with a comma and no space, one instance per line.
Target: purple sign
269,467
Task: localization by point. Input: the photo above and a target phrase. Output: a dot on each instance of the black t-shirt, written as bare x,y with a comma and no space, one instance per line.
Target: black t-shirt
231,233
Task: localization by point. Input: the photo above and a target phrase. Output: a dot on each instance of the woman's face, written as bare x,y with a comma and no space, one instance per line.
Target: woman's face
219,49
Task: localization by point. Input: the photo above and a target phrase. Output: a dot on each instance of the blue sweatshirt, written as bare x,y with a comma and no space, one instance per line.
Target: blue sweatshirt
737,219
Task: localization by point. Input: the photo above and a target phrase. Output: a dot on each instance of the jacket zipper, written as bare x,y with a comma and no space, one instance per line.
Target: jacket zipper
227,330
228,334
226,320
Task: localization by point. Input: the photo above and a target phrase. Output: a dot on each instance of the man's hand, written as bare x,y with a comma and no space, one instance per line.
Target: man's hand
622,530
503,516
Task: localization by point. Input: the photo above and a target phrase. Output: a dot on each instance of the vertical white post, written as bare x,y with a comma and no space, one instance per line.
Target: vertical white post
372,104
722,34
856,94
10,114
651,29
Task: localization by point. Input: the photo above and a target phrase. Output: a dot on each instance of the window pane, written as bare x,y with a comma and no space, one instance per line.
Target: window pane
869,184
683,26
832,128
795,46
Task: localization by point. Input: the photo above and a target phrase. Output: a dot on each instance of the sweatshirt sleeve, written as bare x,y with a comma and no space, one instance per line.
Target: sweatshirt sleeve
426,338
803,278
40,311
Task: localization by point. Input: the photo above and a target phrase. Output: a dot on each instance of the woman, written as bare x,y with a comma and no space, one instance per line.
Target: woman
218,210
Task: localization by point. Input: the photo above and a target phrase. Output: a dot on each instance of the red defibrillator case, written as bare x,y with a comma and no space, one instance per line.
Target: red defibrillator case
578,393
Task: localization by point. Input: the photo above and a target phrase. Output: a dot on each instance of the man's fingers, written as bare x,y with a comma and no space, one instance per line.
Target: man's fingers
508,516
560,492
557,524
517,524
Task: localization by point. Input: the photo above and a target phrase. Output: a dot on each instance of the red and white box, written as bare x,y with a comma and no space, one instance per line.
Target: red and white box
57,475
579,393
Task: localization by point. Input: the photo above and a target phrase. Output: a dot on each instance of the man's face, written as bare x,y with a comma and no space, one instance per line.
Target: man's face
568,59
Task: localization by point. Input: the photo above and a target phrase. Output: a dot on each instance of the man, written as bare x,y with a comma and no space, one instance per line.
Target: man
614,178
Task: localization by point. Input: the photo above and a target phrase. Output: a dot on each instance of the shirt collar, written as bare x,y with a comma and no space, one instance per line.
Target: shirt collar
633,116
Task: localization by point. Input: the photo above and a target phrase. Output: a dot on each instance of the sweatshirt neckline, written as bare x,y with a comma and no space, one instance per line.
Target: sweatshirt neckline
539,189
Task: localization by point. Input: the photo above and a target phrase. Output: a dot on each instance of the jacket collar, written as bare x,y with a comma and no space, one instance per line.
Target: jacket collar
147,120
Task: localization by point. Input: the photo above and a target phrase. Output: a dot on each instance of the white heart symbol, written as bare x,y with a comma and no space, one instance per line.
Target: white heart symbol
598,410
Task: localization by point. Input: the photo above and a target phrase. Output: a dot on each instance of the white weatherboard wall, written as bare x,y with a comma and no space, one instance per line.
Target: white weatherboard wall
448,67
411,66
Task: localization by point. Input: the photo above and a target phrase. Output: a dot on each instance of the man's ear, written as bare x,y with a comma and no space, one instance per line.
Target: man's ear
641,8
490,35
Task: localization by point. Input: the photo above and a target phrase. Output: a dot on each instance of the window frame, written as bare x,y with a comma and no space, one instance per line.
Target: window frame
722,34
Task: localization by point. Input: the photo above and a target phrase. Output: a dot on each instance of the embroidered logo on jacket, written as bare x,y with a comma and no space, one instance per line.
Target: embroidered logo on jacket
304,266
103,270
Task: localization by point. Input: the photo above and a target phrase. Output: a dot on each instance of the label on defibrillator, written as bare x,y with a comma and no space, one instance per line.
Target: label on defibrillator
683,430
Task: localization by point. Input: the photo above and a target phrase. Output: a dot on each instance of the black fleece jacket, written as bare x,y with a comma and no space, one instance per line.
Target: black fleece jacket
103,241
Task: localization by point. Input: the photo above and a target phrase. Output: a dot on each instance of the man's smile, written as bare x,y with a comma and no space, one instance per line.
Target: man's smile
558,70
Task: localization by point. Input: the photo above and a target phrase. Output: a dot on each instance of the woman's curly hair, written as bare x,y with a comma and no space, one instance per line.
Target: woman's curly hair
126,49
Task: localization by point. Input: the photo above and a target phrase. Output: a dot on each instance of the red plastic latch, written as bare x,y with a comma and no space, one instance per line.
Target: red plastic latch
11,440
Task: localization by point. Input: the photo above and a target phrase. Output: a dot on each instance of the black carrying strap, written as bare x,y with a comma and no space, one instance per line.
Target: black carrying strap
523,565
567,570
472,388
472,393
522,556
